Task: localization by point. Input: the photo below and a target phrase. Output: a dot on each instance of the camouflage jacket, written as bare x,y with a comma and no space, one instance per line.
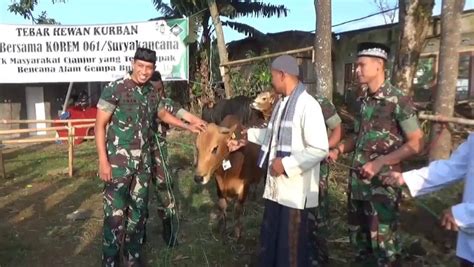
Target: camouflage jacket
133,110
384,119
330,115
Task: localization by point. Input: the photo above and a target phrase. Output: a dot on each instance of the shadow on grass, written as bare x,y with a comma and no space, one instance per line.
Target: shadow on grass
34,229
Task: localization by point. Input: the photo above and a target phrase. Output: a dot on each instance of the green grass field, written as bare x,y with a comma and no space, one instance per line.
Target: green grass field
37,196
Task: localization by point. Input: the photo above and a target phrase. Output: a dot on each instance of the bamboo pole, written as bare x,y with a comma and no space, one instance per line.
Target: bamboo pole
84,126
45,121
439,118
33,140
71,132
250,60
2,165
43,140
19,131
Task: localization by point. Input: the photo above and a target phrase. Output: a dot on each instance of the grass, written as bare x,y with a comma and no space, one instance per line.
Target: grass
38,195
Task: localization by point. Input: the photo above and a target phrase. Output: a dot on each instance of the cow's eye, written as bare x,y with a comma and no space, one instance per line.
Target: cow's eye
214,151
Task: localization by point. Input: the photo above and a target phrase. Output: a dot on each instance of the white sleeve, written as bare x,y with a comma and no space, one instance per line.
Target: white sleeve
256,135
464,216
315,140
439,173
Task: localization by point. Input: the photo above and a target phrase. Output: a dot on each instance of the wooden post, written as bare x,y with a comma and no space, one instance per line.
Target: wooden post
2,163
71,132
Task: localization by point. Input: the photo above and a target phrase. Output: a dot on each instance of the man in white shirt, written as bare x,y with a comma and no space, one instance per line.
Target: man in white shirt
293,145
440,174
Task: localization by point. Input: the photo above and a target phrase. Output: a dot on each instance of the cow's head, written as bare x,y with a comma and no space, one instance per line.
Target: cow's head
265,102
212,150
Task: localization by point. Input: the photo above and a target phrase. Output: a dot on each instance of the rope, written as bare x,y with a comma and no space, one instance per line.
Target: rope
417,202
174,215
325,211
184,145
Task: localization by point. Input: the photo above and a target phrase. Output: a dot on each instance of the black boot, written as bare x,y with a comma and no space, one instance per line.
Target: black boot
169,233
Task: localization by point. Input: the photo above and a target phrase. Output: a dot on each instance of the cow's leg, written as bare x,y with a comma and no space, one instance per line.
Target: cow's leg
222,203
239,208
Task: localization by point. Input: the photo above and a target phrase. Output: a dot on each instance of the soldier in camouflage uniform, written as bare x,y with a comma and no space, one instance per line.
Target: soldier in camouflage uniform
162,187
129,105
386,132
318,217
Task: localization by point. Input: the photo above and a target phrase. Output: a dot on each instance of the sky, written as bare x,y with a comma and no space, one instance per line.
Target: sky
301,14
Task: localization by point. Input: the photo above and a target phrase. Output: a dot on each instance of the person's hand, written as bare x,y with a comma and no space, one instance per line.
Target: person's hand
448,222
235,145
105,171
371,168
196,128
394,179
333,155
276,168
198,121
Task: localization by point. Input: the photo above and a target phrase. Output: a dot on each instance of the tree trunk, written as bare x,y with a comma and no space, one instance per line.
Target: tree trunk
207,93
221,47
445,94
414,17
323,48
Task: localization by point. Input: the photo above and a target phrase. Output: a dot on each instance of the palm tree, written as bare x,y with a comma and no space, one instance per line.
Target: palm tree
200,16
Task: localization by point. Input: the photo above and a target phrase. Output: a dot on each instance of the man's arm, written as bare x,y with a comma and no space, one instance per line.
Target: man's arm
439,173
189,117
406,118
168,118
102,119
105,108
413,146
463,214
315,140
346,146
332,120
253,135
335,136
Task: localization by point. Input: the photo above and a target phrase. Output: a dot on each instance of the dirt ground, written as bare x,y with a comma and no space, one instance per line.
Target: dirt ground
37,197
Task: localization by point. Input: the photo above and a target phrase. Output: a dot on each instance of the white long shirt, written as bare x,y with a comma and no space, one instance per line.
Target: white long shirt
442,173
309,146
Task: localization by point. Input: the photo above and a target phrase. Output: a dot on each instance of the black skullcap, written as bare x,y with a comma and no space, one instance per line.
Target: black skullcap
145,54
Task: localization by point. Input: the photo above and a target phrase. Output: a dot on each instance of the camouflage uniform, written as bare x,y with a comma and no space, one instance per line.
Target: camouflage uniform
372,207
318,216
128,148
162,188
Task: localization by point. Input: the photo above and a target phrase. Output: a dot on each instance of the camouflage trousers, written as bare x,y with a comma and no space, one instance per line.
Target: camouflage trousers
125,209
373,228
318,223
161,187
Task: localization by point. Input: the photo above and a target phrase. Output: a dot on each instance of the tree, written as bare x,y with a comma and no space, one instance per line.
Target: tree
445,95
389,9
323,48
223,56
25,8
199,11
414,21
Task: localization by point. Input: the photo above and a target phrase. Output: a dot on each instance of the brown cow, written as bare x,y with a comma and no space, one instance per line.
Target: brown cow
265,102
232,183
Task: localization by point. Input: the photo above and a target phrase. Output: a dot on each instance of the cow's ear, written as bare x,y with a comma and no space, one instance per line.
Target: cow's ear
224,130
232,131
